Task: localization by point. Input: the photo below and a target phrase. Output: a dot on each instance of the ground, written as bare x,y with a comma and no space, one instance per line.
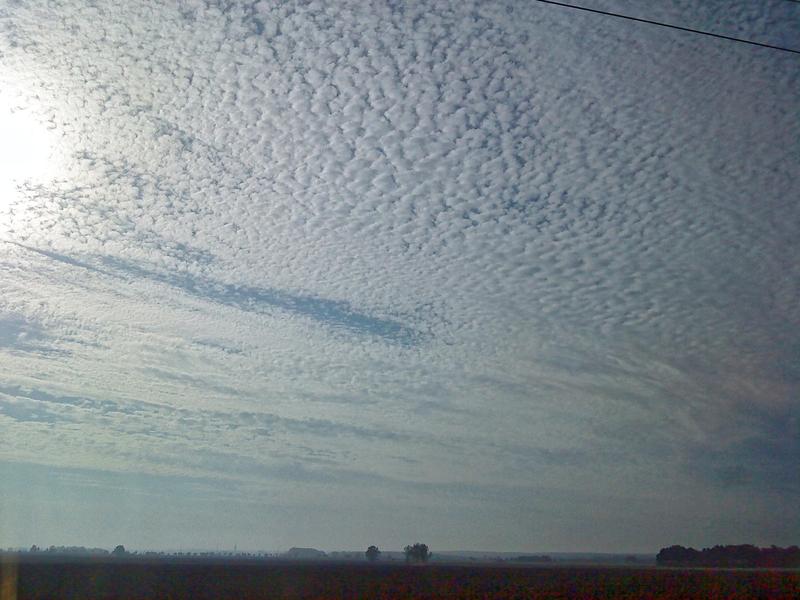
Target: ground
107,578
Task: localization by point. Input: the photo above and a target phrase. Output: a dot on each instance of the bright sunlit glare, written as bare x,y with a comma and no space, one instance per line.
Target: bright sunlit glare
26,148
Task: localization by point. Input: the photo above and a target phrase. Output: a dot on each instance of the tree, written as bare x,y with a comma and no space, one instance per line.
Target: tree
372,553
743,555
119,551
417,553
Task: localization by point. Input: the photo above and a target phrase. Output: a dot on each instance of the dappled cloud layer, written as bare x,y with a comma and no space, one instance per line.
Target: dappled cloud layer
500,274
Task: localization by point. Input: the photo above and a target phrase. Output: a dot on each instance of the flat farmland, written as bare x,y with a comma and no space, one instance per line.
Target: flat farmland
264,579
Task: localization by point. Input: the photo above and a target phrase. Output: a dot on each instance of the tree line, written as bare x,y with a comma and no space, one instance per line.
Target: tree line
415,553
71,550
743,555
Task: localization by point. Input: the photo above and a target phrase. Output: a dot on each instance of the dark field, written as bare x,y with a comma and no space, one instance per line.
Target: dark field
216,579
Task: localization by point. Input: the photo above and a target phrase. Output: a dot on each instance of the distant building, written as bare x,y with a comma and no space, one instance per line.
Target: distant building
304,553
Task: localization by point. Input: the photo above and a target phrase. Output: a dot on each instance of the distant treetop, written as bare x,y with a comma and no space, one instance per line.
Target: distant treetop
417,553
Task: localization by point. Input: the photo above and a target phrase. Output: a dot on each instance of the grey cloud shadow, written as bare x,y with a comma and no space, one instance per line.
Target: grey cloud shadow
20,334
27,413
334,313
321,427
14,329
43,400
186,379
557,457
259,422
62,258
110,481
766,460
338,314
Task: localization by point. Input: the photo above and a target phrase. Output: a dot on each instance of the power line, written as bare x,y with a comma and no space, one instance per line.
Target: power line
716,35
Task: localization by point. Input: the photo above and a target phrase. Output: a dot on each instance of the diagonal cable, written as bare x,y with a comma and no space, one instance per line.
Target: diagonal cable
716,35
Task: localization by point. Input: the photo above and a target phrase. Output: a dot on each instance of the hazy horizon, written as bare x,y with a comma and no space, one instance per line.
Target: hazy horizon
478,274
385,550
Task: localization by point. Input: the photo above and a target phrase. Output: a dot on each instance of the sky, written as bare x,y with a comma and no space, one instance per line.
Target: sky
488,275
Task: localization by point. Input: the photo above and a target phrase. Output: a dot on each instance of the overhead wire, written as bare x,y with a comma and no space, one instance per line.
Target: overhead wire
678,27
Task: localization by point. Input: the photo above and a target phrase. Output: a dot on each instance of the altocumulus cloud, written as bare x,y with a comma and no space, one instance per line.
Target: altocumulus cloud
500,274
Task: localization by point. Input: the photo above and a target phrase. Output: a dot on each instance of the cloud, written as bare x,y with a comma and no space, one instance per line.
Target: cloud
468,250
335,314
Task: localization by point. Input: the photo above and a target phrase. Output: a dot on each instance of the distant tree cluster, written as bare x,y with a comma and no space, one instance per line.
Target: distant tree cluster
71,550
372,553
744,555
120,551
533,558
417,553
304,553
